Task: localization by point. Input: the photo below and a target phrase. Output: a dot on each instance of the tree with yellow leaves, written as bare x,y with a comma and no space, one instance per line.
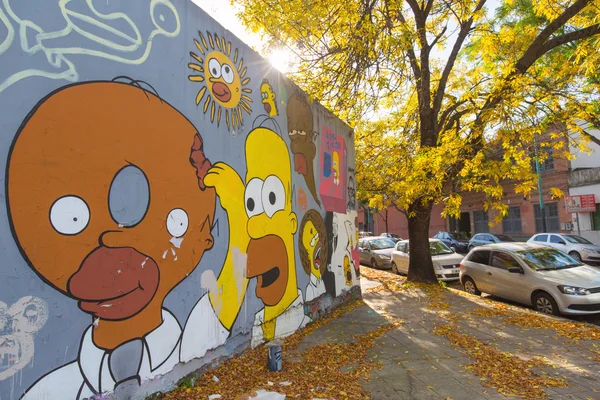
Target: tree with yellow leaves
445,95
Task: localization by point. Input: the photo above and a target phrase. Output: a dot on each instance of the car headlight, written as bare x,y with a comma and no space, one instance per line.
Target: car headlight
573,290
384,256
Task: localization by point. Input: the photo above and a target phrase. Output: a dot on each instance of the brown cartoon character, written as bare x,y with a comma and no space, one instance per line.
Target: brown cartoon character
300,129
108,205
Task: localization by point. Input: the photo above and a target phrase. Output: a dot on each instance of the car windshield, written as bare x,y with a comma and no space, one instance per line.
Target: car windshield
380,244
546,259
439,248
458,236
504,238
576,239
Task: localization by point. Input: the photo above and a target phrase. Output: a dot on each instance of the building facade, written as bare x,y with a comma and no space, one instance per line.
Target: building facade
584,179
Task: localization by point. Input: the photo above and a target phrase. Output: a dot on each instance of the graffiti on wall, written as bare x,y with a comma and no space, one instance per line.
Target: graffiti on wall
313,245
18,326
351,190
334,167
300,130
223,79
113,36
114,196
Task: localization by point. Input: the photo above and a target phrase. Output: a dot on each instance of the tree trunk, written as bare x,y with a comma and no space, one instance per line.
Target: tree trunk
420,268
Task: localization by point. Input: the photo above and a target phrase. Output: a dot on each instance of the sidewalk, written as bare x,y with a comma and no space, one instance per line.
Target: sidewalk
411,341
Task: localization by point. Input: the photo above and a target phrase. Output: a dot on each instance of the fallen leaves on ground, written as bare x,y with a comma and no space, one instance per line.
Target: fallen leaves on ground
510,374
318,375
565,328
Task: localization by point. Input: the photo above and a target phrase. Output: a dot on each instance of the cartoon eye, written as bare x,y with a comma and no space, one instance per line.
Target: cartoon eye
215,68
177,222
69,215
265,95
253,197
227,73
273,195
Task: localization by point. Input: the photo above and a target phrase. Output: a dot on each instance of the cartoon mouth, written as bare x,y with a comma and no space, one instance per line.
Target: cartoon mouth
267,107
221,91
115,283
268,263
9,353
317,257
300,164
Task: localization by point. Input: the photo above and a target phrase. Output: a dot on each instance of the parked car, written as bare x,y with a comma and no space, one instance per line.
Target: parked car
392,236
376,251
532,274
458,242
364,234
445,261
488,238
577,247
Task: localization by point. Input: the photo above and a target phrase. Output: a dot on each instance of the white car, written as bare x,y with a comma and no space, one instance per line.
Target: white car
577,247
445,260
532,274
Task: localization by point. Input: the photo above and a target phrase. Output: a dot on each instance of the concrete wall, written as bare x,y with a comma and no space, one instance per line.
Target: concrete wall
583,159
168,198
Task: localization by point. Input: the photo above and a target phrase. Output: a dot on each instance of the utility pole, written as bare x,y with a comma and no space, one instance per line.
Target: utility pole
539,179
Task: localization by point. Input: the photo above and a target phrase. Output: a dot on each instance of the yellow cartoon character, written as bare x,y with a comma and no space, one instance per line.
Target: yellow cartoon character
267,96
266,201
314,251
347,270
223,78
336,168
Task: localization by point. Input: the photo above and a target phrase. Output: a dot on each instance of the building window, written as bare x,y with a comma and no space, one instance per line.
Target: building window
480,219
512,222
552,220
596,218
547,165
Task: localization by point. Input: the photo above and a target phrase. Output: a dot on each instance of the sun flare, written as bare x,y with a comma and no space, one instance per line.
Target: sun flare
223,80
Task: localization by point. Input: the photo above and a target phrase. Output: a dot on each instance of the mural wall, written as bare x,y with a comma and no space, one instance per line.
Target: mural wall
168,198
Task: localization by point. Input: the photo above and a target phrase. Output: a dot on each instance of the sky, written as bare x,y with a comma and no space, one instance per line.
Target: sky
225,14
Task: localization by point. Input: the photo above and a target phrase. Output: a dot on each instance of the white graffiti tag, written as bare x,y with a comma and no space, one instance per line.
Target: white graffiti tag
18,325
124,49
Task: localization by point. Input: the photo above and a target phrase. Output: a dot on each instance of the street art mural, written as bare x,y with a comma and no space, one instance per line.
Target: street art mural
147,238
313,245
300,130
334,167
223,79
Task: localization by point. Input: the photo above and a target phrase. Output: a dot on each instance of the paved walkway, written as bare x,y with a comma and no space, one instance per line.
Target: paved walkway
444,344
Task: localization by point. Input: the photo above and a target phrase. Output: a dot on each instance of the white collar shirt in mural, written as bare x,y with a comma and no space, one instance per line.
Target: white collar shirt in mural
315,288
162,349
292,319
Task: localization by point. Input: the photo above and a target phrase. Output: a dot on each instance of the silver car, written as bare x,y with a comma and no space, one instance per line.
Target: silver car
577,247
445,260
536,275
376,251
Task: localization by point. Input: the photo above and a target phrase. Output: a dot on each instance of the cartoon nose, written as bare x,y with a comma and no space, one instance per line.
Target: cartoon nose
113,239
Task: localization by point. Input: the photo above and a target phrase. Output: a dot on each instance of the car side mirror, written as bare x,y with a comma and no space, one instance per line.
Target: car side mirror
515,270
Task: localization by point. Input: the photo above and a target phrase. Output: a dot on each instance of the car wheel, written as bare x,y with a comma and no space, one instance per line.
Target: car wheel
576,256
470,286
374,263
544,303
395,268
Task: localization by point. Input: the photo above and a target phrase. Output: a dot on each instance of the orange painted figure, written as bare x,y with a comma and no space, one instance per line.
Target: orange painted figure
107,203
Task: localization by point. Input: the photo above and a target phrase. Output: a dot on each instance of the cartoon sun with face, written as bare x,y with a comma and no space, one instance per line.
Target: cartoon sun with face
223,80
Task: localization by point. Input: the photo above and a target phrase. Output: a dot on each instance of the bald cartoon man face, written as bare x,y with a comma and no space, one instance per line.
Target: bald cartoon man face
107,202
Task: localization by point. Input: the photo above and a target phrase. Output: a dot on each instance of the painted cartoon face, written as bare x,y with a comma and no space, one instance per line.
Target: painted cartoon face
271,223
220,71
224,80
95,208
336,165
267,96
313,243
351,190
347,270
